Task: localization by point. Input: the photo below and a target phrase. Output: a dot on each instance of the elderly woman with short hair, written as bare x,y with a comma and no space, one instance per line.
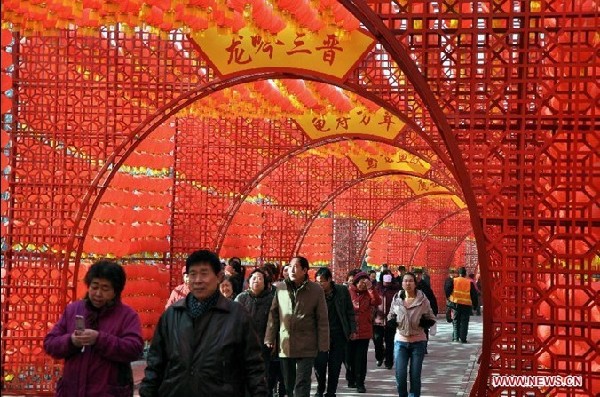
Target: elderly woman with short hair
99,347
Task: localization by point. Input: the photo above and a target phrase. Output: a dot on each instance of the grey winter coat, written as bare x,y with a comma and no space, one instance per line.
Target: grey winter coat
258,308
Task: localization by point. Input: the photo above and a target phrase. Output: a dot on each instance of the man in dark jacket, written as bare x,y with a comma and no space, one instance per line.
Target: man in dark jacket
341,324
205,344
383,336
448,286
235,271
423,286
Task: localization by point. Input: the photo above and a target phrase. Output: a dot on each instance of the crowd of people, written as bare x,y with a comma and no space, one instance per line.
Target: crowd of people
226,334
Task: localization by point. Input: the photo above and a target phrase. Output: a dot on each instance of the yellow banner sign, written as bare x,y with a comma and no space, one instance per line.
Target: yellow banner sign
358,121
291,49
400,161
421,186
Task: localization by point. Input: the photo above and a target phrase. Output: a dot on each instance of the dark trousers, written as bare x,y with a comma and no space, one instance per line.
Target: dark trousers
383,339
328,366
356,356
296,375
460,322
266,355
276,383
476,307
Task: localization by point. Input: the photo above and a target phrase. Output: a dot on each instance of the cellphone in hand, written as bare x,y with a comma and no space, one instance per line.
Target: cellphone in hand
79,322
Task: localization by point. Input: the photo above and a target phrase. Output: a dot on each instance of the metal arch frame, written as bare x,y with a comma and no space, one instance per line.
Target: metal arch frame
265,172
391,212
361,10
309,222
428,233
458,244
113,162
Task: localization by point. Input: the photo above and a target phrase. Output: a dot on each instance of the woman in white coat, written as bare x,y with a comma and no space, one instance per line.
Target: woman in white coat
410,313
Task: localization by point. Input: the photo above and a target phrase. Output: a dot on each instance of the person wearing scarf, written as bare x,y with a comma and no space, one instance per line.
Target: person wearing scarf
205,344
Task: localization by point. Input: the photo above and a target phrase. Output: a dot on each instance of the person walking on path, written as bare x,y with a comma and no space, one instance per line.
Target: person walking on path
448,285
475,299
383,337
257,301
180,291
98,337
409,314
364,300
461,294
298,321
341,325
423,286
205,344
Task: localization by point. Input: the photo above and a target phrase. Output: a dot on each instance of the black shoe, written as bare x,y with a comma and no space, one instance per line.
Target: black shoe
390,366
379,363
317,394
361,389
351,385
464,341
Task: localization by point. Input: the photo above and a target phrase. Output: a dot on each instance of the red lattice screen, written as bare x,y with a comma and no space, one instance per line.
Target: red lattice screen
502,103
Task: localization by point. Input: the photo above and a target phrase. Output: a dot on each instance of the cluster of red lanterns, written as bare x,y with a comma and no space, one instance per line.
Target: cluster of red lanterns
134,212
167,15
244,236
317,245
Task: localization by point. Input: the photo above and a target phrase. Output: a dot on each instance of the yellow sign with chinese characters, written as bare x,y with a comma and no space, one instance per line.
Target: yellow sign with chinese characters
291,49
356,122
422,186
399,161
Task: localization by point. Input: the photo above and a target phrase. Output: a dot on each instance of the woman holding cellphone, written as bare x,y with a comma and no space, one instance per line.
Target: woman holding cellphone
98,337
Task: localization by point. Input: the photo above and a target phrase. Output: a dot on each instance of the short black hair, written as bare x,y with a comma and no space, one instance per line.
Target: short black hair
352,273
109,270
236,263
203,256
271,268
265,273
324,272
303,261
462,271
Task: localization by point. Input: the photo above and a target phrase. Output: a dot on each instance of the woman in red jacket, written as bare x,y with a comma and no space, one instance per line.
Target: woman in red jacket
364,299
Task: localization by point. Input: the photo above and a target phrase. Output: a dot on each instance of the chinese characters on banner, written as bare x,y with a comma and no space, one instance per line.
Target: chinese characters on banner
323,52
401,160
358,121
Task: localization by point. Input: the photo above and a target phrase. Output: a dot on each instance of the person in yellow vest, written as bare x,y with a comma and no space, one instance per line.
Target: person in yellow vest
461,295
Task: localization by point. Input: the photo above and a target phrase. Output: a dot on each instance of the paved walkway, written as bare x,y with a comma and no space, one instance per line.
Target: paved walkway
448,370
